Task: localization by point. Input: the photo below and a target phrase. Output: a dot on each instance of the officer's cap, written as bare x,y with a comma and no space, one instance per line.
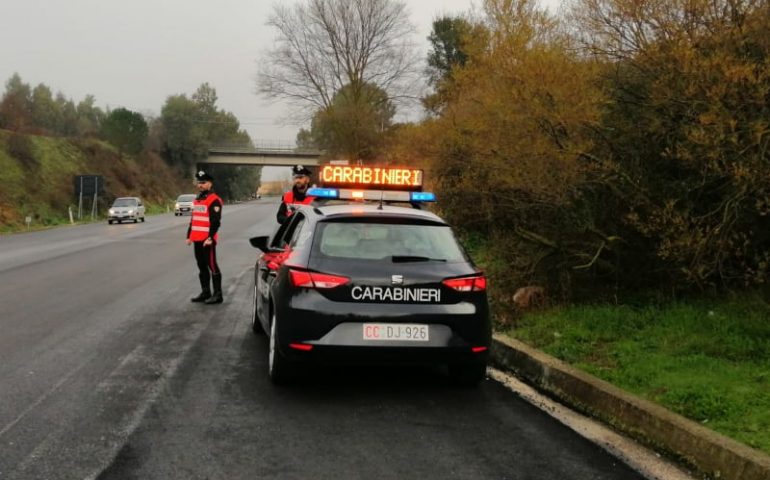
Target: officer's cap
202,176
300,170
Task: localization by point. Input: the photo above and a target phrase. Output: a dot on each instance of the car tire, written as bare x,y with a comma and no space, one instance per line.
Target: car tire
467,374
136,220
278,366
120,221
109,221
256,325
142,219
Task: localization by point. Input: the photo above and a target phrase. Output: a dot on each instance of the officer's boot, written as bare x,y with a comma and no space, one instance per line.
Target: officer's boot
217,296
202,297
205,291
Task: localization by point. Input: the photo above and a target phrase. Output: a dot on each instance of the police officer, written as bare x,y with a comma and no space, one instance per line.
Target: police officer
297,195
203,234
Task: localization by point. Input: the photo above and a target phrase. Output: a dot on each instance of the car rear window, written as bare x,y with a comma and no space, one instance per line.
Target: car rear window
125,202
387,241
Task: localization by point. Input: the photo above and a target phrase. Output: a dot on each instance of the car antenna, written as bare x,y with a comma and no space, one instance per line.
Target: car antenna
382,195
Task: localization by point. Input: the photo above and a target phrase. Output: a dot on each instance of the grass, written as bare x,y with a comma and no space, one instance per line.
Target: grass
708,360
37,175
51,220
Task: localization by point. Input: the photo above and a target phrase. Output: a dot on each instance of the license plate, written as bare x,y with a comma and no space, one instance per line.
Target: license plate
396,332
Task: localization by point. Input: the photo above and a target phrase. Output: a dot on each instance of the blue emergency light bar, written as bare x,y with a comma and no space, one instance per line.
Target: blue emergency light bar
423,197
324,192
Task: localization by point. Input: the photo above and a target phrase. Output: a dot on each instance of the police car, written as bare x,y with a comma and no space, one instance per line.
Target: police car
360,278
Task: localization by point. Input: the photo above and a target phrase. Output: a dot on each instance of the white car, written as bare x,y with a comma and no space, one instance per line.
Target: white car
125,209
184,204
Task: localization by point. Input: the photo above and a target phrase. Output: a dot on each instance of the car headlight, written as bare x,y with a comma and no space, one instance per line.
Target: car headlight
130,212
176,205
112,212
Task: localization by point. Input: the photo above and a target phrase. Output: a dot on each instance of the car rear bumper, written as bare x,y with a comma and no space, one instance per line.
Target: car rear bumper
334,331
349,355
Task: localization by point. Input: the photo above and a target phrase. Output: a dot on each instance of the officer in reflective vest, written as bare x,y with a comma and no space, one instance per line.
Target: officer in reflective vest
203,234
297,194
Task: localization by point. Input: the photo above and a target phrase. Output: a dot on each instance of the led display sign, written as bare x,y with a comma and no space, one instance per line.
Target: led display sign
384,178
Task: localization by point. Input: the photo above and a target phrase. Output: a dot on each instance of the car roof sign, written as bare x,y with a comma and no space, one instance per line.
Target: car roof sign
381,184
380,178
372,195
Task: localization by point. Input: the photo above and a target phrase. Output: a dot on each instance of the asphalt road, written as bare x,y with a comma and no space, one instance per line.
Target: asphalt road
108,371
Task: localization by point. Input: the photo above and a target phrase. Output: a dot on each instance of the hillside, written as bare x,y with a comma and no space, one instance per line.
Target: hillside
36,174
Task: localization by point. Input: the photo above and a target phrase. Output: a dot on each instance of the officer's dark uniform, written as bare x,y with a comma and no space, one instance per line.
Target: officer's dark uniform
294,196
204,224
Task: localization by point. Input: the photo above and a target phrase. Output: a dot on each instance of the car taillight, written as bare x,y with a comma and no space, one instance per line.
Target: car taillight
300,278
323,280
467,284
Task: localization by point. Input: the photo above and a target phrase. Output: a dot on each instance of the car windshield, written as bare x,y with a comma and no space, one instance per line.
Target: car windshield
391,242
125,202
185,198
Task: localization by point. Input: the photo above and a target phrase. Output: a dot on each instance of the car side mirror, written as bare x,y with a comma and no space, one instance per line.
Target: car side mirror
261,244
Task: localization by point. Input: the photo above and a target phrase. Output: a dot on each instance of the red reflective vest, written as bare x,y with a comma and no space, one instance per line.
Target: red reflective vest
199,224
288,199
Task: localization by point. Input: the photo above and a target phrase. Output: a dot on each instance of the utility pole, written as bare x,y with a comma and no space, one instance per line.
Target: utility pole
96,193
80,201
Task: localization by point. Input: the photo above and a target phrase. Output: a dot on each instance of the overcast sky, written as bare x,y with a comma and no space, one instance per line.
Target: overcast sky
135,53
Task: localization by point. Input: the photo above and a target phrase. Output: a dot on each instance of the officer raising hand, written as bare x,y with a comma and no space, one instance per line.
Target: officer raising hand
203,234
297,195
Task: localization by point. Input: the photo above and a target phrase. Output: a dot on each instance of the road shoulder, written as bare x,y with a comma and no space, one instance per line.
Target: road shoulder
708,452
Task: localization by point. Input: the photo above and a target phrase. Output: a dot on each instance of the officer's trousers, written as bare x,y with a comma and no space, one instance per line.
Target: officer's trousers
208,268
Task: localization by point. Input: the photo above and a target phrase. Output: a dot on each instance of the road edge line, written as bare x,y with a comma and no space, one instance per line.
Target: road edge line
646,462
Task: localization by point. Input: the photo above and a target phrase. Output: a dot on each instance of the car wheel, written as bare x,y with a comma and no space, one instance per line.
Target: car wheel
279,368
256,325
109,221
120,221
467,374
136,220
142,219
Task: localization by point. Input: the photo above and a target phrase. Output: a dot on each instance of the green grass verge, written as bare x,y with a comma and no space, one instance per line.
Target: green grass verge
708,360
38,171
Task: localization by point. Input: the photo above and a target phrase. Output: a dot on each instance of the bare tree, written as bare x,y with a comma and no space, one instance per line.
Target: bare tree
324,45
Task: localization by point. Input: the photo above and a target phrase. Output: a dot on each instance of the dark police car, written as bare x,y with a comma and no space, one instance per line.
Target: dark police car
369,283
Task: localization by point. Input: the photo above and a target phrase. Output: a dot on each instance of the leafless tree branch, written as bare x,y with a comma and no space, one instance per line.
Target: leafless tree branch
323,45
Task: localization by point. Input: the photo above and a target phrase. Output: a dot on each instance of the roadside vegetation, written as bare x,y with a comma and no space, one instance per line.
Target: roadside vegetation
613,146
47,140
38,176
707,359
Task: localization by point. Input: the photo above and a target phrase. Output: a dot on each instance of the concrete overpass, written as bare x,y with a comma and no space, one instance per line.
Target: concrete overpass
262,156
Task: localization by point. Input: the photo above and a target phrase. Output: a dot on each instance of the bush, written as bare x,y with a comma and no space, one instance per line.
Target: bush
21,148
